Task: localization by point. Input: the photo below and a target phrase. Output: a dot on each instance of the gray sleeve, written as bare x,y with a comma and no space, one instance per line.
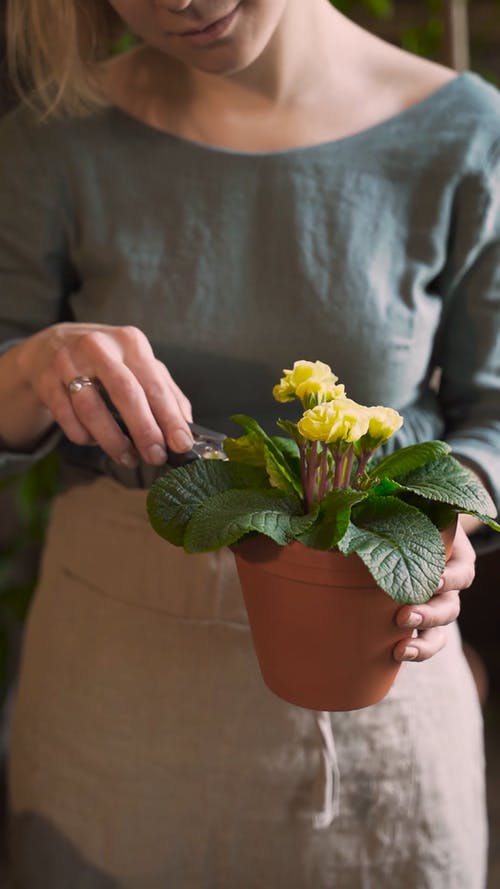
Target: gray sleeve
469,341
15,462
35,274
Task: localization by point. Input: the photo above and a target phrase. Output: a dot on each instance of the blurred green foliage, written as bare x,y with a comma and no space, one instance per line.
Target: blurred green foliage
27,498
126,41
32,493
424,39
379,8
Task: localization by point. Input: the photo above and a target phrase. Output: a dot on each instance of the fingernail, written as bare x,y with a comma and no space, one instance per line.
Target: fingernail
156,454
440,584
414,620
410,653
129,460
181,441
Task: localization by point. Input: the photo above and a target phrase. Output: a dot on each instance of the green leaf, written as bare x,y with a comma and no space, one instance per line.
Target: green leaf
441,514
277,460
228,516
385,487
256,432
287,446
400,547
333,519
277,477
290,451
245,449
292,430
409,458
447,481
175,497
281,475
495,526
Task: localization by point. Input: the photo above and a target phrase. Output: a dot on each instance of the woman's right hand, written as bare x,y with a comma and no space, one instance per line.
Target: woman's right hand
152,406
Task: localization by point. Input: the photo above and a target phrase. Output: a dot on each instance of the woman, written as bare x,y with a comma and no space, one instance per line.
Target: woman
256,182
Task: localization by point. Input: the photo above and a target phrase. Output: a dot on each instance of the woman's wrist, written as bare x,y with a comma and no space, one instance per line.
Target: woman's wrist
470,524
24,419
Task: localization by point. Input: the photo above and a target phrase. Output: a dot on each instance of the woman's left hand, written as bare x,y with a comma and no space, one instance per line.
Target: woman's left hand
428,622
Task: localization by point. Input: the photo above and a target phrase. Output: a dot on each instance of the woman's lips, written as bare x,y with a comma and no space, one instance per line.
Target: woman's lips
210,33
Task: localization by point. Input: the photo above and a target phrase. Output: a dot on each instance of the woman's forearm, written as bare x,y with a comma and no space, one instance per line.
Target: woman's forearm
23,417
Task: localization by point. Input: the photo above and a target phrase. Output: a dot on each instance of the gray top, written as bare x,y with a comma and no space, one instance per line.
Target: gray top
378,253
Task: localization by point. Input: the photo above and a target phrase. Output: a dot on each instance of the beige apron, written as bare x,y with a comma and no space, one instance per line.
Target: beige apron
146,752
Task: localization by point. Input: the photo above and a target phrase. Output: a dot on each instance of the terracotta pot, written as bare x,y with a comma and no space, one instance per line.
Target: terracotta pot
323,630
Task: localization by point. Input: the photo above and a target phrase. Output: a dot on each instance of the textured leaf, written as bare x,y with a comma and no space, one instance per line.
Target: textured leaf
400,547
447,481
174,498
441,514
406,459
333,519
228,516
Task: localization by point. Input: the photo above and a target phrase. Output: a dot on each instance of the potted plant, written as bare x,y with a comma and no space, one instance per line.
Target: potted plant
329,539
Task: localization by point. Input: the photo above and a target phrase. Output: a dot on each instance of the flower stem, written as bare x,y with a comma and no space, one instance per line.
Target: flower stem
348,467
311,474
323,473
339,470
303,473
362,461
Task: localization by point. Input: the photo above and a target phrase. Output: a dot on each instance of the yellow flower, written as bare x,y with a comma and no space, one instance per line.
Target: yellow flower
342,420
383,422
306,379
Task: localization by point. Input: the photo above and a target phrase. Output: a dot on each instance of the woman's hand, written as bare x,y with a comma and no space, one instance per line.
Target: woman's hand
428,622
152,406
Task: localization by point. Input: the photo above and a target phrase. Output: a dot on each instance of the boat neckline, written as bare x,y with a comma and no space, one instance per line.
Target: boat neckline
298,150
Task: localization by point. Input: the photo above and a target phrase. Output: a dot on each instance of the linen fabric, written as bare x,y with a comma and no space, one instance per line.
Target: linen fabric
146,751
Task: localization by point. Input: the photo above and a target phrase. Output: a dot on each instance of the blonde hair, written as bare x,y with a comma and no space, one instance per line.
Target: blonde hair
54,51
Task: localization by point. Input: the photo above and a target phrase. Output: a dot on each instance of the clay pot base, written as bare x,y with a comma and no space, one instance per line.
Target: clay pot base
323,631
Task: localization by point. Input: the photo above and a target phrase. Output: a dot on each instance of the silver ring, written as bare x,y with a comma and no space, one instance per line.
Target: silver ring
80,383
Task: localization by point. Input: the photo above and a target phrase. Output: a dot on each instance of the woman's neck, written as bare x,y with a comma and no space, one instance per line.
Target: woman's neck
308,42
312,50
320,77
